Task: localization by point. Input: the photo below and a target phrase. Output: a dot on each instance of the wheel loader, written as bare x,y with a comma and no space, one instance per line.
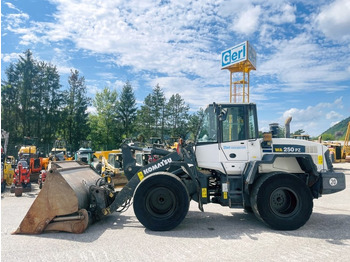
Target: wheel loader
277,179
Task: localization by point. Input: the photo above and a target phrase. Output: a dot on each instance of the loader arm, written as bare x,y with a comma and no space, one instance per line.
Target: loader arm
135,174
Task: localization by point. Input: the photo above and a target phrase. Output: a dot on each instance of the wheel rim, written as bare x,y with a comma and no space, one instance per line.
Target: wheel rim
161,202
284,202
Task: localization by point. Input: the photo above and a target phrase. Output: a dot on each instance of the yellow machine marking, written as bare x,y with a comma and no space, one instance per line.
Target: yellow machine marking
204,193
320,160
140,175
225,195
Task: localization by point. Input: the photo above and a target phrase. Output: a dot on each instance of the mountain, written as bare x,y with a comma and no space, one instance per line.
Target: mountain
337,131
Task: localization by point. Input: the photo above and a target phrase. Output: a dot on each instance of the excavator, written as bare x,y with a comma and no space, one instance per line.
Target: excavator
29,152
229,165
59,151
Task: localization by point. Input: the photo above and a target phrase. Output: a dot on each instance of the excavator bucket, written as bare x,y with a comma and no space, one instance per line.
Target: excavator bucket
63,201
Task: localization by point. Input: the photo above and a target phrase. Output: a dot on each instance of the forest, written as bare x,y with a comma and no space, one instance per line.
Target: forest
35,104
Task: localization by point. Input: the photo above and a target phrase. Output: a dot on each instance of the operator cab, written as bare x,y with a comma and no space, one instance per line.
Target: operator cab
228,122
226,137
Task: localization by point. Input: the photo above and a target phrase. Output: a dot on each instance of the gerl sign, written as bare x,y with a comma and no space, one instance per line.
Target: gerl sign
237,54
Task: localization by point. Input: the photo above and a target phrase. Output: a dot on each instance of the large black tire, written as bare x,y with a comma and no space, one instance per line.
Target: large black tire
161,201
99,168
282,201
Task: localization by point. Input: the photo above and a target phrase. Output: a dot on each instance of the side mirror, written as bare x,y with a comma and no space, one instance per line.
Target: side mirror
223,114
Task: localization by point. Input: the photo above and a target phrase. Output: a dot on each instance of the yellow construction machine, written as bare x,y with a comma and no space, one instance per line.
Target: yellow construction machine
110,164
339,152
346,148
334,150
113,167
59,151
9,169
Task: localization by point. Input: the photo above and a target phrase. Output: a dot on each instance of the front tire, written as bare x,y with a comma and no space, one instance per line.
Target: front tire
282,201
161,201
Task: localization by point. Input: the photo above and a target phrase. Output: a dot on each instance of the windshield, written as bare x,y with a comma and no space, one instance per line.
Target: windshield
208,130
23,163
58,152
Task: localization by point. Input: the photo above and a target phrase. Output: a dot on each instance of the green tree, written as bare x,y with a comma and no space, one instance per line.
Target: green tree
10,103
158,111
126,109
27,76
47,101
144,118
75,113
177,115
299,132
194,124
328,137
30,99
105,134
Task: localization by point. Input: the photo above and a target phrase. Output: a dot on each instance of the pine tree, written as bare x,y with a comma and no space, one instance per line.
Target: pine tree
127,109
30,100
177,115
76,116
47,100
194,124
27,72
144,119
158,111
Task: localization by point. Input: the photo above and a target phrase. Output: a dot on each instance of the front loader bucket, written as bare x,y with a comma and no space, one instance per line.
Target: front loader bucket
62,202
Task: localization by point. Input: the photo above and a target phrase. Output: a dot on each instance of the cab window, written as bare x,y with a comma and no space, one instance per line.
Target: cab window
233,126
252,134
208,130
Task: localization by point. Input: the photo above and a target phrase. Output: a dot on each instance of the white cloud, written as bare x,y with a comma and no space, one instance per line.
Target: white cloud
247,22
61,60
315,119
14,21
334,20
285,15
194,92
9,58
334,123
181,41
11,6
143,36
92,110
303,64
92,89
333,115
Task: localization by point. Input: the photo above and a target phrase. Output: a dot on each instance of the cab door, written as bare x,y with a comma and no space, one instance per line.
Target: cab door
238,129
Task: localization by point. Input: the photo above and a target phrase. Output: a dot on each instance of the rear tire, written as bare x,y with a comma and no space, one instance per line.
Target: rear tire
99,168
282,201
161,201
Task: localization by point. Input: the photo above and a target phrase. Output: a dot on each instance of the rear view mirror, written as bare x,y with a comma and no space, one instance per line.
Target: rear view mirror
223,114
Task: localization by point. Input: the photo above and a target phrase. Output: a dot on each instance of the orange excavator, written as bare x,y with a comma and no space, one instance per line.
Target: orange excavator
30,153
21,179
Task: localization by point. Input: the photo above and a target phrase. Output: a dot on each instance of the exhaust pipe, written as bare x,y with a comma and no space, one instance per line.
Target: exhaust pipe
287,126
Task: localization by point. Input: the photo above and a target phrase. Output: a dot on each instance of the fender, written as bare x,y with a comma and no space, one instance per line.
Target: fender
304,160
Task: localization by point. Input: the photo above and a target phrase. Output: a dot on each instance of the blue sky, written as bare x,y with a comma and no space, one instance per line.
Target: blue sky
303,58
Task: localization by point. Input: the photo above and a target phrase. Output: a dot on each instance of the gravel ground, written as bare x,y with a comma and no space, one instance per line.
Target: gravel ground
218,234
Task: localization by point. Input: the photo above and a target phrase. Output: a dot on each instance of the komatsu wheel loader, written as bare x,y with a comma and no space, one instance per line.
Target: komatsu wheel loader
229,165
